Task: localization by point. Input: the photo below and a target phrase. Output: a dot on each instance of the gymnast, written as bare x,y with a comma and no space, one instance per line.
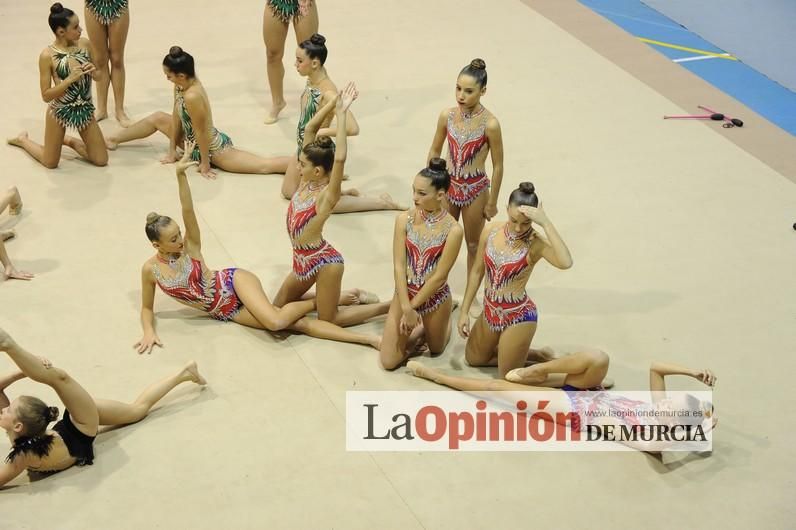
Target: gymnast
192,119
472,132
277,16
426,243
310,58
585,369
70,441
12,200
65,73
509,251
107,22
179,269
315,261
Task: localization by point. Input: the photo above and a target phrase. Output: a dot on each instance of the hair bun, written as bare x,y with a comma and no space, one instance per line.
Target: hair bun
527,187
56,8
52,414
324,142
152,217
478,64
175,51
438,164
318,39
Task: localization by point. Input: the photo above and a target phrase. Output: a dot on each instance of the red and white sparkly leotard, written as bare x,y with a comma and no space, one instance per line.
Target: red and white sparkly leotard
423,250
467,147
507,270
210,291
308,256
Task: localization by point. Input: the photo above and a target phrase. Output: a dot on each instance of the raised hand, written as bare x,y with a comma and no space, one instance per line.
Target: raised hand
346,97
185,162
705,376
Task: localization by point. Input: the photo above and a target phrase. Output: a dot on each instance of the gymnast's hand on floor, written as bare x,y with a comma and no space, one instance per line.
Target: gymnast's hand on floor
147,343
464,325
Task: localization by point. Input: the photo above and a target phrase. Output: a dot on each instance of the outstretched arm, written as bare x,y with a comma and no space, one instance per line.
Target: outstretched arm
150,338
198,112
10,471
659,371
329,197
193,239
5,382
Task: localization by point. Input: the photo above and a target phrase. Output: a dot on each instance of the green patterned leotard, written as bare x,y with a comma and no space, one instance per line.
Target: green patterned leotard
218,140
310,99
106,11
287,10
74,108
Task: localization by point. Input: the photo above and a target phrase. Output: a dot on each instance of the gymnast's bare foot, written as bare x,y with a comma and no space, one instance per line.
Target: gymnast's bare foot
375,342
273,114
192,372
111,143
18,139
390,202
420,370
530,375
5,235
123,119
15,204
352,192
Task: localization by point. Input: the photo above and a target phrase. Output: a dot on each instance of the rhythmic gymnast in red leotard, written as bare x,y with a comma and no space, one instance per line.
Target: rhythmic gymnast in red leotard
502,334
425,245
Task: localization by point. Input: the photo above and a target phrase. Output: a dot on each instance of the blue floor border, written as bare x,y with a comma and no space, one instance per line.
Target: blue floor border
761,94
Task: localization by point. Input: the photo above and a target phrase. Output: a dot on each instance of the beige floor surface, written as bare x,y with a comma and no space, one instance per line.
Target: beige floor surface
683,251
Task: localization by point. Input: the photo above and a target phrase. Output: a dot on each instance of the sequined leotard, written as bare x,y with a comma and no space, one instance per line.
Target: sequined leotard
467,148
74,108
212,291
423,250
106,11
310,102
308,256
287,10
505,301
218,140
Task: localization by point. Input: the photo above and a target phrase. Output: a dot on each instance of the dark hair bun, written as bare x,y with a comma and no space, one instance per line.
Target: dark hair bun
56,8
52,414
324,142
527,187
437,164
175,52
318,39
478,64
152,217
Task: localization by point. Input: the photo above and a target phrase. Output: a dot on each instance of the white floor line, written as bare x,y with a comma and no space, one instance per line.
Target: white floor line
699,58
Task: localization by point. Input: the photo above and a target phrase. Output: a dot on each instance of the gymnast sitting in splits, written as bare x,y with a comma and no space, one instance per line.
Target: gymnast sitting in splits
179,269
70,441
192,119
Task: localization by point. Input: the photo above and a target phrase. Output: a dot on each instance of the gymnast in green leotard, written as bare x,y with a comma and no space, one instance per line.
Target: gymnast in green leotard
310,58
192,119
107,23
65,72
